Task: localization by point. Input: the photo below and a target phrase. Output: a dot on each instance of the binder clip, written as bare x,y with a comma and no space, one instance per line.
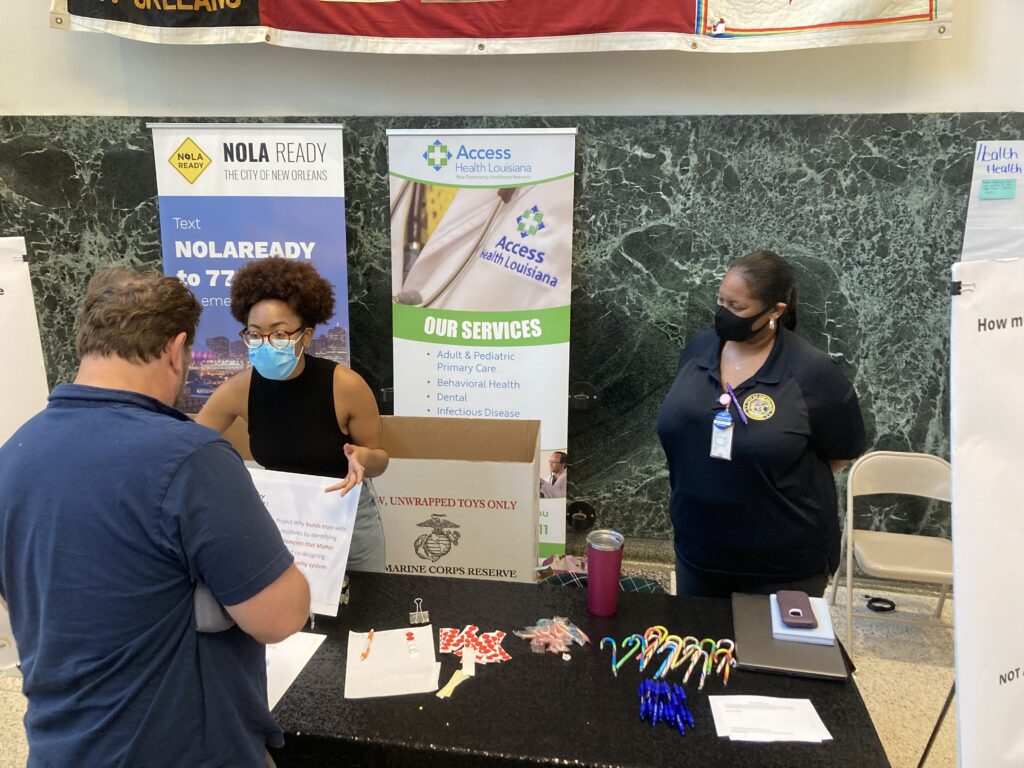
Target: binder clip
419,616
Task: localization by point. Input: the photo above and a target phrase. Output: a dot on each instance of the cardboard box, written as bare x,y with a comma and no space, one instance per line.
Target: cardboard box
459,497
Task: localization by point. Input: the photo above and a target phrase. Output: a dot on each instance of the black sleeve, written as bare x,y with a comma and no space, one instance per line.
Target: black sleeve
837,426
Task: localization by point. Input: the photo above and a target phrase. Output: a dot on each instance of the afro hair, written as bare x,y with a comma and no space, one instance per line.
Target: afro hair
297,283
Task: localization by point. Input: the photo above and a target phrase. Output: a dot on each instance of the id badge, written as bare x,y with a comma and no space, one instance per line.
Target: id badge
721,436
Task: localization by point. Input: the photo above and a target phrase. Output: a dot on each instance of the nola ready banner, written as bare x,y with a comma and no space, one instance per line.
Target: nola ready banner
232,194
481,259
988,495
22,376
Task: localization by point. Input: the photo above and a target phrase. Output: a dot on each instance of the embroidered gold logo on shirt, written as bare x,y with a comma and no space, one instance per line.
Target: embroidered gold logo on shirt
759,407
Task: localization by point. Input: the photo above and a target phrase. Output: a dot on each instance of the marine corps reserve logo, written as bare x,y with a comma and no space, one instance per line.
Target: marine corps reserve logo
439,542
189,160
759,407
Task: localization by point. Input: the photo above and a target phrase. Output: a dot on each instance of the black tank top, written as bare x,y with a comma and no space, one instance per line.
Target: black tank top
293,426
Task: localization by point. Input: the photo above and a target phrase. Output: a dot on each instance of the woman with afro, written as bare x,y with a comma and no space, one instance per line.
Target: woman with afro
305,414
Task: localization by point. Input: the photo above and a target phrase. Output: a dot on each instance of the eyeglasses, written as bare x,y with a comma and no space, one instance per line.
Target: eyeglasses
278,339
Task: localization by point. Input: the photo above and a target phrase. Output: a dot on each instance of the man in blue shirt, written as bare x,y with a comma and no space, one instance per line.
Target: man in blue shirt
115,508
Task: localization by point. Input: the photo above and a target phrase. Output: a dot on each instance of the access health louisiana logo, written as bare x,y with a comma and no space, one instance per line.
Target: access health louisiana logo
437,155
530,222
189,160
474,159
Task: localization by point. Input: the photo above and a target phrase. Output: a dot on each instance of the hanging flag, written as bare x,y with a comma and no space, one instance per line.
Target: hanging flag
481,27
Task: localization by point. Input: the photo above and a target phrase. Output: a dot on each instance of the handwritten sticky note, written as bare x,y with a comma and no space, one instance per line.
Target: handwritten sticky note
998,189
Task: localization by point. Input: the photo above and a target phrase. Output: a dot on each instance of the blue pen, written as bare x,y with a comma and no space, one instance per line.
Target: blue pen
680,693
736,400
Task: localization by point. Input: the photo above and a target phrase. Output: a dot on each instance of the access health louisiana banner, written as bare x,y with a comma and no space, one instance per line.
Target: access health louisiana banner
481,260
234,194
484,27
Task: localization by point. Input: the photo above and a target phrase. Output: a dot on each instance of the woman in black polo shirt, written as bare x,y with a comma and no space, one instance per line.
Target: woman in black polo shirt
755,423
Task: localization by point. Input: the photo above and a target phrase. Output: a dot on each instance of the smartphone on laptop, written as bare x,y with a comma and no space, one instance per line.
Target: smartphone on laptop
795,609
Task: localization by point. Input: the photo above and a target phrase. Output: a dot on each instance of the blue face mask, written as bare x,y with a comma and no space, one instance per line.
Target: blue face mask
274,363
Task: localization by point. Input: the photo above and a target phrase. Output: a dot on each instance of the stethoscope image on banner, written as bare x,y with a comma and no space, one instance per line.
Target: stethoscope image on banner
414,226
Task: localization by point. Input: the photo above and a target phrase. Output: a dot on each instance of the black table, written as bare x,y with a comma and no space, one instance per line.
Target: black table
538,709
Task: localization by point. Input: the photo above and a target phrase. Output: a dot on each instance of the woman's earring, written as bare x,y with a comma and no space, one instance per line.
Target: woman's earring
771,323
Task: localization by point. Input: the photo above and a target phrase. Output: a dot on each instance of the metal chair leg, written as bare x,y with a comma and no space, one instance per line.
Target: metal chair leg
942,601
938,725
849,596
839,569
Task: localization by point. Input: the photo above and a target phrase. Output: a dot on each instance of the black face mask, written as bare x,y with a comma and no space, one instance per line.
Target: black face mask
731,327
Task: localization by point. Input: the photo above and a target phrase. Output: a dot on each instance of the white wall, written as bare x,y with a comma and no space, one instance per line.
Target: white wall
46,71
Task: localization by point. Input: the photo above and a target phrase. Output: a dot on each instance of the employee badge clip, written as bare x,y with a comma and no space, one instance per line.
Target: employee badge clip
419,616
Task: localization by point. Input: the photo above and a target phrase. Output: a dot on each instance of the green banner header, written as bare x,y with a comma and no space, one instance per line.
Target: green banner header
481,329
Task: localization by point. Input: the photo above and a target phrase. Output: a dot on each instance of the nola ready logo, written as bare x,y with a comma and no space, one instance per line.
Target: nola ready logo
439,542
437,155
530,222
190,161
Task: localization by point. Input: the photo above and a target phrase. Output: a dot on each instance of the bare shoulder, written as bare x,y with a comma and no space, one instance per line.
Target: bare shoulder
239,383
229,401
347,381
233,394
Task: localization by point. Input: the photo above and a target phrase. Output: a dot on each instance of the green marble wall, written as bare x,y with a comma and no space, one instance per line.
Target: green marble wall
870,208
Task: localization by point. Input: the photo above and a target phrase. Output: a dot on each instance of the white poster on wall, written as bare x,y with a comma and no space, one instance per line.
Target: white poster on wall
316,527
995,214
987,422
23,375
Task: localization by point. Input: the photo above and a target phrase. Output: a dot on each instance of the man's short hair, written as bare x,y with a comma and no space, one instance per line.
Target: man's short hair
133,315
560,456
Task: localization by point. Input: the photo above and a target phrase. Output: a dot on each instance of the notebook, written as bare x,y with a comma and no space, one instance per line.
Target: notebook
821,635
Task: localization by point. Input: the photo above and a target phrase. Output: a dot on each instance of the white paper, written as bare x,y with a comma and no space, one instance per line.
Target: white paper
22,376
315,526
389,669
986,422
995,223
286,660
8,649
766,718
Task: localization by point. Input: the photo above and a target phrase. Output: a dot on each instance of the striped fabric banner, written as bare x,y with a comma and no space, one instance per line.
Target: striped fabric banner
482,27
